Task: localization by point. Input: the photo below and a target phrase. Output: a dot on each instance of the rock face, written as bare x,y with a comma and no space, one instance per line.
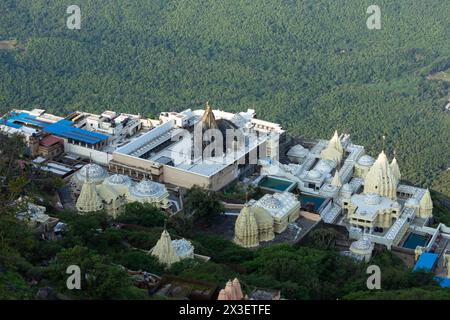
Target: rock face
46,293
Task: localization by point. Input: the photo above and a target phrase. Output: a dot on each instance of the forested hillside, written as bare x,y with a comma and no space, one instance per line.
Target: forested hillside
312,65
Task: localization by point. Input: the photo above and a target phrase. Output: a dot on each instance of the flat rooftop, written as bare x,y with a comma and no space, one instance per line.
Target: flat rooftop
162,142
64,128
61,128
368,205
17,120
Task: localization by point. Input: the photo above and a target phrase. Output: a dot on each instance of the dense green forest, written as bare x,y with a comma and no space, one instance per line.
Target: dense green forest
442,183
311,65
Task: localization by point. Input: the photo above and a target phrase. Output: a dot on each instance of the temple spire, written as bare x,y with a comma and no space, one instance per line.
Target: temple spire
336,181
164,250
395,168
208,118
87,174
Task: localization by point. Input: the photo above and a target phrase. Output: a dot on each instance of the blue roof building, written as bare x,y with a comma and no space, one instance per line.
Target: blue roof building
426,261
64,129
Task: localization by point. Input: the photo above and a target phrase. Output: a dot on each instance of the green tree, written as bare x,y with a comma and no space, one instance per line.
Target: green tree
99,279
202,204
143,214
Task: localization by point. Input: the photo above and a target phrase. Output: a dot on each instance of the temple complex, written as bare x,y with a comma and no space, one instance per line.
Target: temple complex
253,225
164,250
355,190
132,158
232,291
334,150
259,220
170,251
381,179
100,191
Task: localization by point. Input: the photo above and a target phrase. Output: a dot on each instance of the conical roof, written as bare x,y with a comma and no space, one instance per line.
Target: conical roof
164,250
426,202
336,179
334,150
380,178
222,295
208,118
395,169
89,199
335,142
237,289
246,228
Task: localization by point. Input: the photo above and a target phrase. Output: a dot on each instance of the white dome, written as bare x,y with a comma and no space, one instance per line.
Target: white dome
271,203
366,161
95,171
183,248
146,188
314,174
372,199
118,179
298,151
325,166
96,174
396,205
347,188
329,187
362,244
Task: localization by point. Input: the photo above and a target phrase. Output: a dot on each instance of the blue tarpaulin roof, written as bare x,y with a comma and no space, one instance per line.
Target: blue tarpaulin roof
16,120
443,282
426,261
63,128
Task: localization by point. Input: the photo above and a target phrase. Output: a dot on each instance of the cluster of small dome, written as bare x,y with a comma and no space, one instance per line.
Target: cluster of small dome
372,199
362,244
118,179
146,188
314,174
115,191
94,172
271,203
366,160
